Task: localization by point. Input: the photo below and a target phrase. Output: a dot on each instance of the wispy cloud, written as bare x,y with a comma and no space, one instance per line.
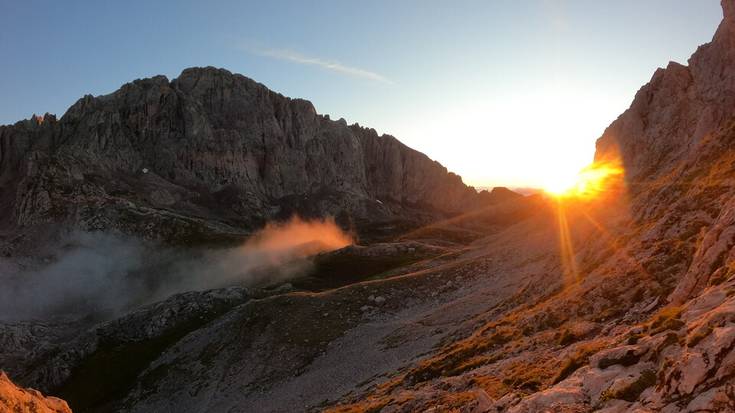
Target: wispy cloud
334,66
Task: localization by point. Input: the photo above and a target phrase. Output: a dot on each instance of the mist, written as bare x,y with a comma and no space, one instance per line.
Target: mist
102,275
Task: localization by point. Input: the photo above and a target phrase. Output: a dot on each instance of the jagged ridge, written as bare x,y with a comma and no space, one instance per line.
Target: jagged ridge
211,147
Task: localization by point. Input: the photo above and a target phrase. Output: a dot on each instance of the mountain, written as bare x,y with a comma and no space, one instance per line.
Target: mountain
156,190
676,144
673,116
212,155
623,302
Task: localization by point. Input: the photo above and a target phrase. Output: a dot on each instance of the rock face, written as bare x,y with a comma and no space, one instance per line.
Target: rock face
20,400
211,152
675,143
673,115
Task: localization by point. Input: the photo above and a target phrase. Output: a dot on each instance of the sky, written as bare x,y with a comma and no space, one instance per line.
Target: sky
502,92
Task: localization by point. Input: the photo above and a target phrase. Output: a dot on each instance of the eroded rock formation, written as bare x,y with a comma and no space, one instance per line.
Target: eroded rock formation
211,152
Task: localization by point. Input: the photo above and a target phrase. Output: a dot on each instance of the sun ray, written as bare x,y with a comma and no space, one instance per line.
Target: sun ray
572,195
566,246
612,242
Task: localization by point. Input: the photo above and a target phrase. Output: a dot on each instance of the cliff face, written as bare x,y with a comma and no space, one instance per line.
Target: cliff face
672,116
211,146
676,144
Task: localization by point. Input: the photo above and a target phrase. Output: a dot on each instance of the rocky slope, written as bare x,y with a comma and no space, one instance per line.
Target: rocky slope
625,302
19,400
211,155
194,165
673,116
642,319
266,342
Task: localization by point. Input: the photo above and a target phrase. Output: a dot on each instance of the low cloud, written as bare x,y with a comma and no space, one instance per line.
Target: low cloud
104,275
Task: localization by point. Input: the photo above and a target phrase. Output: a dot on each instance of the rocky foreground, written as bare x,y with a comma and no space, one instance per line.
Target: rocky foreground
624,302
18,400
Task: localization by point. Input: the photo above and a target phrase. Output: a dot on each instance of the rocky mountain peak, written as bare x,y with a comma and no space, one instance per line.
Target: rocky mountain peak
672,114
200,80
214,144
728,8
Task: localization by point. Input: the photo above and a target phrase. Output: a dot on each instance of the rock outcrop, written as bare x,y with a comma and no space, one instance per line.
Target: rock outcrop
85,369
211,152
675,143
673,115
20,400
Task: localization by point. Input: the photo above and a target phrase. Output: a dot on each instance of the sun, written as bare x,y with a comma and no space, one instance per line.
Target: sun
560,183
587,183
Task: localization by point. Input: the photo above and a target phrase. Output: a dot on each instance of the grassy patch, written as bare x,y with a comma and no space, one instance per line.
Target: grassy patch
567,337
698,335
721,275
580,358
110,372
460,357
665,320
632,391
336,270
445,233
528,376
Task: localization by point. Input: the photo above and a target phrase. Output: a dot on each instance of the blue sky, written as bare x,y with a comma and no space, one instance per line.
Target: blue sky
500,92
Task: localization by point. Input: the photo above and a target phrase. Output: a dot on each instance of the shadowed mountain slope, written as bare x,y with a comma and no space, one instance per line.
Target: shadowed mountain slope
212,155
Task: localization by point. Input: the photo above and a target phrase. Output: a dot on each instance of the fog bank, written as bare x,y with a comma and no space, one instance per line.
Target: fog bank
103,275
